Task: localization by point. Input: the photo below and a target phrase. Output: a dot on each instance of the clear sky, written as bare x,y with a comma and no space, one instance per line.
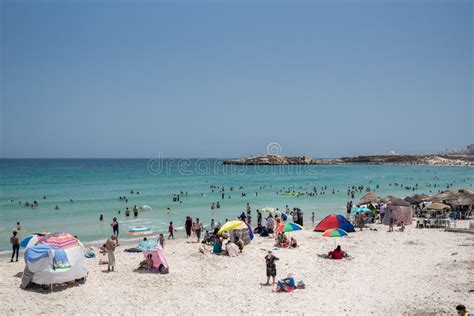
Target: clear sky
225,78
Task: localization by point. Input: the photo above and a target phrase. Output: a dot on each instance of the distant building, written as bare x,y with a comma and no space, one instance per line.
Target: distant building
470,150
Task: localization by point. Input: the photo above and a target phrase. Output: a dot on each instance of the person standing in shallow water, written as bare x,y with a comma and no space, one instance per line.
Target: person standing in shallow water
115,226
188,224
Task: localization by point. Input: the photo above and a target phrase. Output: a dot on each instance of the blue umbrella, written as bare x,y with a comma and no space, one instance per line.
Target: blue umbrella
361,209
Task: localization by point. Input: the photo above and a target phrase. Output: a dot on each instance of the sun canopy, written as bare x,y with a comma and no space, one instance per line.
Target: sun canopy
157,255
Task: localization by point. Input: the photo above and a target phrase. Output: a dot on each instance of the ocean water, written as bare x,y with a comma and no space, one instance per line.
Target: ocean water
95,186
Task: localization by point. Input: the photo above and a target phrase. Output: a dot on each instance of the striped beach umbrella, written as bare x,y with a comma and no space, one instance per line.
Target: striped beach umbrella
334,232
59,240
31,240
288,227
140,231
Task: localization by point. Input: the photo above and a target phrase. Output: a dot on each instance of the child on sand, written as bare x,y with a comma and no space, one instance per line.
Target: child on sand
402,226
161,240
171,230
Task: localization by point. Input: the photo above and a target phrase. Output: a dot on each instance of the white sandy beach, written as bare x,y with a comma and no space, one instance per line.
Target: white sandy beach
420,271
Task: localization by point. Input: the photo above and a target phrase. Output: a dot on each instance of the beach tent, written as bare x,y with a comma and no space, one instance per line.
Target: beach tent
157,255
400,214
56,258
334,221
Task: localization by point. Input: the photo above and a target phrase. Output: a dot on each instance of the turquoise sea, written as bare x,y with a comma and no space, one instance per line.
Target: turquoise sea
95,186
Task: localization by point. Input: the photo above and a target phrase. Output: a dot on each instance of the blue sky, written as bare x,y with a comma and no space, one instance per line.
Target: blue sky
225,78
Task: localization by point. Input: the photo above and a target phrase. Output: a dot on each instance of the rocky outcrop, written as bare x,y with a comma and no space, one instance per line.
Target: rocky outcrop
281,160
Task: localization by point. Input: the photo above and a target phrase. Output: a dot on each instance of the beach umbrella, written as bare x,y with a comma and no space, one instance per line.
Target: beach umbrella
436,206
455,197
59,240
361,209
140,231
417,198
288,227
147,245
236,224
31,240
146,208
231,225
334,232
369,197
334,221
393,200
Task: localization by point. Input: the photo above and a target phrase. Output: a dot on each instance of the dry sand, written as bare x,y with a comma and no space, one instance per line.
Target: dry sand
419,271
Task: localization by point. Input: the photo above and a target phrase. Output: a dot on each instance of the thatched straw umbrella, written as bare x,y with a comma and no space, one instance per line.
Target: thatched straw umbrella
455,197
437,207
369,198
417,198
393,200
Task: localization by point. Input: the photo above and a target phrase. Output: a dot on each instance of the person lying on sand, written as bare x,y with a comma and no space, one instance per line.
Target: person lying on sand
147,263
337,253
286,285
